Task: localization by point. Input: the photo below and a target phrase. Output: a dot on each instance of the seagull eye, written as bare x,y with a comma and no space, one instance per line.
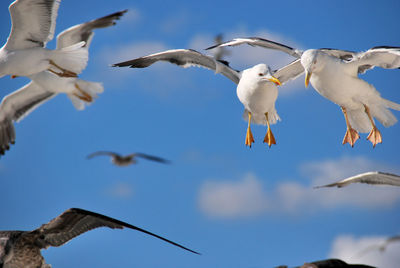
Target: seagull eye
260,74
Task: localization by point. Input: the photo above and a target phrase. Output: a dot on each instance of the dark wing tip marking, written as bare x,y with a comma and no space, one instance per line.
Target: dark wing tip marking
387,47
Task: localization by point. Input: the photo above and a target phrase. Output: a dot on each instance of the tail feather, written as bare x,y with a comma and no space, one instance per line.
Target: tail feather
90,88
73,58
261,119
359,120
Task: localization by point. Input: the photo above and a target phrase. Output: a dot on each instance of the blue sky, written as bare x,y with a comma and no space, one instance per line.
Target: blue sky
239,207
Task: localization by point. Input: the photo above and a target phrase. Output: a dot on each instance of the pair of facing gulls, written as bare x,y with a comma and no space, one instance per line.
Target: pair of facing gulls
332,72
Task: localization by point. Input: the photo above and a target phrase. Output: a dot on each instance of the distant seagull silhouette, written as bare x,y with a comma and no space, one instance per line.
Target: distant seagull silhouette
381,246
375,177
220,52
21,249
329,263
126,160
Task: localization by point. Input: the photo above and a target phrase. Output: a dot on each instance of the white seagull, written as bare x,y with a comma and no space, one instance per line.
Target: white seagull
46,85
334,74
373,177
24,54
21,249
256,86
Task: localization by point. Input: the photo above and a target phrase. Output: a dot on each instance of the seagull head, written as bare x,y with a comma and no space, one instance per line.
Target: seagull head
311,63
262,73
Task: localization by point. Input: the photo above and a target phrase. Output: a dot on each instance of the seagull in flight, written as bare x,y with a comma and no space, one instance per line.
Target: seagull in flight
334,74
45,85
24,53
329,263
21,249
256,86
126,160
381,246
374,177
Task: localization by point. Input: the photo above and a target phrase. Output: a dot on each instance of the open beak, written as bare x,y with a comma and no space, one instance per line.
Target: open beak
275,80
308,76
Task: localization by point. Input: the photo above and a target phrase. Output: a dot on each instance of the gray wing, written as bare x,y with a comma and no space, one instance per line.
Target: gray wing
289,72
74,222
375,177
17,105
184,58
84,31
33,23
151,157
384,57
261,42
103,153
341,54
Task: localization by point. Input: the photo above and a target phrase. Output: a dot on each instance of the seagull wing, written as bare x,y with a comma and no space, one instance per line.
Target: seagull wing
17,105
289,72
341,54
151,157
257,41
375,177
33,23
74,222
384,57
102,153
184,58
84,31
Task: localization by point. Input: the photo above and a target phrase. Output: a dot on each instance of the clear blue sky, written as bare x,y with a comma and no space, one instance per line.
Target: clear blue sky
239,207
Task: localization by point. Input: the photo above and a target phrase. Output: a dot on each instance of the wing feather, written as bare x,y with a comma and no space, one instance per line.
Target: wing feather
151,157
374,177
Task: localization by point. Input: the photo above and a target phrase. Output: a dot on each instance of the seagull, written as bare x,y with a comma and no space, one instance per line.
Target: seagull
256,86
329,263
220,52
374,177
22,248
334,75
382,246
24,53
46,85
126,160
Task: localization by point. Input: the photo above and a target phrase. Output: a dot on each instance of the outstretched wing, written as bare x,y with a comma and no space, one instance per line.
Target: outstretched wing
17,105
84,31
74,222
33,23
184,58
384,57
102,153
152,158
261,42
375,177
289,72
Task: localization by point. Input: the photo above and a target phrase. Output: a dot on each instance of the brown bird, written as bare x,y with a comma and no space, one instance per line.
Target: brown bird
21,249
126,160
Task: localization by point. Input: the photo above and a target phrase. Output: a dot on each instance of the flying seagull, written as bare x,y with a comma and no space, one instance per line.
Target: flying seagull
24,54
46,85
329,263
374,177
381,246
256,86
21,249
126,160
220,52
334,74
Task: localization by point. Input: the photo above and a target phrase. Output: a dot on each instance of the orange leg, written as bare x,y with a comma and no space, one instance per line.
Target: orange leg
85,97
351,135
374,136
269,137
249,135
64,73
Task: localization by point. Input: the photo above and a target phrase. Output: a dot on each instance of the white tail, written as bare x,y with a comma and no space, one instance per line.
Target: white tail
261,119
73,58
90,88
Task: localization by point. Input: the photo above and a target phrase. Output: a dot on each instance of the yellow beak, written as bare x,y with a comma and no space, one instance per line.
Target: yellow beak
308,76
275,80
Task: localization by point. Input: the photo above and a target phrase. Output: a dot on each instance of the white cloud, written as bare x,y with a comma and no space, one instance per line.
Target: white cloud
244,56
176,22
248,198
120,190
364,250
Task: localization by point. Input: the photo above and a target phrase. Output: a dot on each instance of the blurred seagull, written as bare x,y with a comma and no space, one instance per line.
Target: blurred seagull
24,54
329,263
334,74
126,160
381,246
21,249
256,86
375,177
220,52
46,85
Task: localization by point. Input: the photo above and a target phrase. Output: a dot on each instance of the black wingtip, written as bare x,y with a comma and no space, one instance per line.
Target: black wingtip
212,47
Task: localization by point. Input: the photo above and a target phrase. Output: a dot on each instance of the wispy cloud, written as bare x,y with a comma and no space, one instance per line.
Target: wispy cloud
249,197
120,190
364,250
176,22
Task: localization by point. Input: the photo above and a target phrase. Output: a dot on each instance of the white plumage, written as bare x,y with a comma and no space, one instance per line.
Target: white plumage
374,177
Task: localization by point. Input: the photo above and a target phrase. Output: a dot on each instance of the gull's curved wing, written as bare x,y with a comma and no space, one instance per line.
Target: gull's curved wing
84,31
17,105
74,222
374,177
33,23
184,58
261,42
151,157
384,57
289,72
102,153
